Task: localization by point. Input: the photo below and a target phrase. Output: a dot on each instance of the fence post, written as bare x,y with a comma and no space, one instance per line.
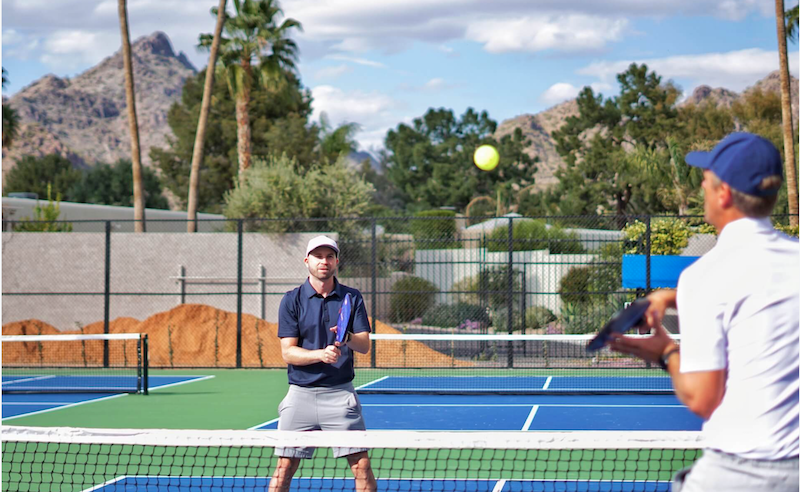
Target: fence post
107,292
182,282
374,301
262,282
239,231
647,245
510,298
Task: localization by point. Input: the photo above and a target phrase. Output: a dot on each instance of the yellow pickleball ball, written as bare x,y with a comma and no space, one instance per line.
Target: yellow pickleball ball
486,157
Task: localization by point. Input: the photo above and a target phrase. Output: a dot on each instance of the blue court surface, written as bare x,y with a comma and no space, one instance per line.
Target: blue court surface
17,405
519,384
525,412
203,484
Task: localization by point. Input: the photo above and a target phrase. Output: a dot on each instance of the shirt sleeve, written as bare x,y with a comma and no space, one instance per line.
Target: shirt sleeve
288,325
360,319
700,314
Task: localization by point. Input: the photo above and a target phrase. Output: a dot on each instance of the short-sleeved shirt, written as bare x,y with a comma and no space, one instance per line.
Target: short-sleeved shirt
738,308
306,315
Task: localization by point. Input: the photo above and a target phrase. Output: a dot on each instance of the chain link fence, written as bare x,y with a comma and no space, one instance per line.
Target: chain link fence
210,299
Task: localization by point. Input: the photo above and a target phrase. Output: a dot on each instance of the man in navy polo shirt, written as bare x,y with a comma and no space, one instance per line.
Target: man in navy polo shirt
321,394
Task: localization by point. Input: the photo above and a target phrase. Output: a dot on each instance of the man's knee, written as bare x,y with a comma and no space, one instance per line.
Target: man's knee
359,463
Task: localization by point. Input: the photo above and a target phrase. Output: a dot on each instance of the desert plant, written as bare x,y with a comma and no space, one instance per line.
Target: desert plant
537,317
435,233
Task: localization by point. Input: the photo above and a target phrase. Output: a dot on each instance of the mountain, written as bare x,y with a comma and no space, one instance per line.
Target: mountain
539,127
85,118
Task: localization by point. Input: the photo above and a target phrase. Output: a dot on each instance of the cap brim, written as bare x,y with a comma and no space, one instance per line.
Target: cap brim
699,159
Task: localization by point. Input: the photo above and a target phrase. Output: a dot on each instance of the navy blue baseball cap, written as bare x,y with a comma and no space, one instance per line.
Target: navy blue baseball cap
741,160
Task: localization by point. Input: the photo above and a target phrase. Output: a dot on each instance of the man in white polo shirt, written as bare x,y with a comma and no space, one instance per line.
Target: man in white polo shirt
739,309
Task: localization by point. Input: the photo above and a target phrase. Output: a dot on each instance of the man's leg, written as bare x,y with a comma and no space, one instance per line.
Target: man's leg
362,471
284,472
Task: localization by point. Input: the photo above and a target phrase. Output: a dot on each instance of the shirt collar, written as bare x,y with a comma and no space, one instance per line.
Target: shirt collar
309,291
743,230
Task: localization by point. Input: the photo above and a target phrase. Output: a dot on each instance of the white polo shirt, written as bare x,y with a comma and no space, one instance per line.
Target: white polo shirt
739,309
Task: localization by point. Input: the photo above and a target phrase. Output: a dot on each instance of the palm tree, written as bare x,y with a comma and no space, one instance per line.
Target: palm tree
338,141
792,21
136,155
786,113
254,49
10,120
205,108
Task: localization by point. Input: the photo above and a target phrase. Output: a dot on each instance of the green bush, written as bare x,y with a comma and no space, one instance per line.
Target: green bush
531,235
411,297
668,236
537,317
576,285
500,320
454,315
435,233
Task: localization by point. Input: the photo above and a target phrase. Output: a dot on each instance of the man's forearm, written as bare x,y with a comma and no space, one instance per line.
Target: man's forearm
359,342
298,356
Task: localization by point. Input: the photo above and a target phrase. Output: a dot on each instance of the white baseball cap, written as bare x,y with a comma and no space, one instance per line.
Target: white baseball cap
321,241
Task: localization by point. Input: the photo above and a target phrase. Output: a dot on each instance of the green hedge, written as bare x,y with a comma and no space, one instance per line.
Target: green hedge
435,233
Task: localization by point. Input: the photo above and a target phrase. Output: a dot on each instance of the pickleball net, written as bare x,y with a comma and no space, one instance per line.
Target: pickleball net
79,459
104,363
502,364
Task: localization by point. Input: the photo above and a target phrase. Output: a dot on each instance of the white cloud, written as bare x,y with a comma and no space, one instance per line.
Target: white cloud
74,48
358,61
332,73
559,92
734,70
372,110
569,33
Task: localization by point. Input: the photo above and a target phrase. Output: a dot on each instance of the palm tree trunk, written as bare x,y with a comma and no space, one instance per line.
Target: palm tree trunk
243,131
205,107
786,111
136,156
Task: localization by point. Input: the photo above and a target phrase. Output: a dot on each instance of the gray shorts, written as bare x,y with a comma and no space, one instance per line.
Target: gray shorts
335,408
717,471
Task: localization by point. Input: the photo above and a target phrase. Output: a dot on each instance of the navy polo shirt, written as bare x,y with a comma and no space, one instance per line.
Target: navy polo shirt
307,316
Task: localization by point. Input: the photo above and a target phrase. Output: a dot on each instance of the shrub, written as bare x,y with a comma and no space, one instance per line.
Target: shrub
576,285
500,320
668,236
788,229
537,317
531,235
450,315
410,298
435,233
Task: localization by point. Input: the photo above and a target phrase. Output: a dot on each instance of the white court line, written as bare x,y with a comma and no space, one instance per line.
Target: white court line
547,383
529,420
26,380
197,379
372,382
498,487
63,406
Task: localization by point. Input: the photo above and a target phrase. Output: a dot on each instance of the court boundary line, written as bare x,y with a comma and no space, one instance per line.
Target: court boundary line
528,421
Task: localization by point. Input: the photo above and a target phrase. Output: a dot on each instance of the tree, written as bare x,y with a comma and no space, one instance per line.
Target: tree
130,98
786,109
10,120
336,142
205,107
280,125
113,185
275,188
594,145
254,38
34,174
792,22
430,161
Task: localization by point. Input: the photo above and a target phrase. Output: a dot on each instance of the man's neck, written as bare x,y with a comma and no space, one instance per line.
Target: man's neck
730,215
322,287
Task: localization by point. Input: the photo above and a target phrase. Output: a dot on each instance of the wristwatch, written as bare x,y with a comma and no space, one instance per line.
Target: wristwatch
664,359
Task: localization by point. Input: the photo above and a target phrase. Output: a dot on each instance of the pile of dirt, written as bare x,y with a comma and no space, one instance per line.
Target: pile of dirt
197,335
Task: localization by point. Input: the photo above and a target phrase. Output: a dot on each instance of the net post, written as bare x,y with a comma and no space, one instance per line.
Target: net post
145,364
647,245
510,286
107,292
239,261
374,300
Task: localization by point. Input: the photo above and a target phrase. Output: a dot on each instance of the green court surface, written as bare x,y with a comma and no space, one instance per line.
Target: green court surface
231,399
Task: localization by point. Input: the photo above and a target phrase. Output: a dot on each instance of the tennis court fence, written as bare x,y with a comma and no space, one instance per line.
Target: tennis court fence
210,299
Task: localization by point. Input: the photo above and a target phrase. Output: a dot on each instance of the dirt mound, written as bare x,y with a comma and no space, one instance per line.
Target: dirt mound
196,335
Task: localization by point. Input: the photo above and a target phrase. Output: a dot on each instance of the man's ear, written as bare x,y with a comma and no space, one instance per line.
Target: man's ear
725,196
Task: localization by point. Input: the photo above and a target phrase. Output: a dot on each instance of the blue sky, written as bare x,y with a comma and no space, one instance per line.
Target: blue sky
380,63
